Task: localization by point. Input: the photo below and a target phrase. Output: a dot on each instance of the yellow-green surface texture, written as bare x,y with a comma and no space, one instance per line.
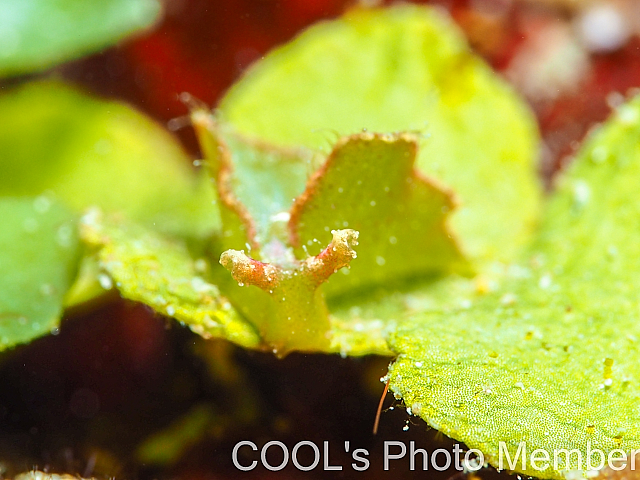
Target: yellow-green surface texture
92,152
161,273
39,251
82,151
551,359
37,34
405,68
368,183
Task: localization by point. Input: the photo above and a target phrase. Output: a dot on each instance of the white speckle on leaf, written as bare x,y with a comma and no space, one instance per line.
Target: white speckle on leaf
281,217
599,154
200,265
508,299
64,235
628,115
581,192
41,204
105,281
545,281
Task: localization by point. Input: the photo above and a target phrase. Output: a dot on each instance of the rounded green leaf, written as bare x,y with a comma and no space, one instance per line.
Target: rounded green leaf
160,272
94,152
398,69
39,252
37,34
551,358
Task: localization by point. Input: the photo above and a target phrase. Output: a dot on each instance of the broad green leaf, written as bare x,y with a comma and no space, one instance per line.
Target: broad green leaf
87,152
39,251
161,273
93,152
550,359
37,34
405,68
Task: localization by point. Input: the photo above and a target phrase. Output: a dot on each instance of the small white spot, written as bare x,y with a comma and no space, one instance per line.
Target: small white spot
581,192
380,260
628,115
545,281
105,281
599,154
281,217
42,204
200,265
508,299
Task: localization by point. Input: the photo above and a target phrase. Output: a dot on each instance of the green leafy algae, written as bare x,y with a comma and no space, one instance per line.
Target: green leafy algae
37,34
284,259
161,273
88,152
539,347
39,251
91,152
368,183
551,358
405,68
